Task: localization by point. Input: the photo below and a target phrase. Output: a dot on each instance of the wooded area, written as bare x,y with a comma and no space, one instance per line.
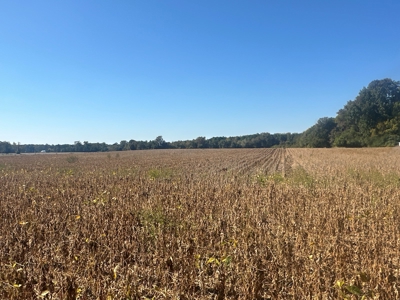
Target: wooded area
370,120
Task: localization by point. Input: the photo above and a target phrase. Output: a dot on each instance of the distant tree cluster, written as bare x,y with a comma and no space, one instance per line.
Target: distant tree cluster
259,140
372,119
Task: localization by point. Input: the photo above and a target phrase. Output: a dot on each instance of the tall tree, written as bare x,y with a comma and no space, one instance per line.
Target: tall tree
319,135
358,120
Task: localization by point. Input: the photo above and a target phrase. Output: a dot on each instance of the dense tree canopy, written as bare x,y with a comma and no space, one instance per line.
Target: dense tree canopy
371,119
319,135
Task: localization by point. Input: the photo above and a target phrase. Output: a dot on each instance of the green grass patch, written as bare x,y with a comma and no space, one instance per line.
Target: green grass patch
160,174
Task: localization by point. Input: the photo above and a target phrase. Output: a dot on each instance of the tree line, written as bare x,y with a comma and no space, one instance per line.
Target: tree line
259,140
372,119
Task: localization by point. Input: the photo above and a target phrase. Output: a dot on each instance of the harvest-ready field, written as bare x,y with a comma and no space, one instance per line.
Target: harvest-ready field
201,224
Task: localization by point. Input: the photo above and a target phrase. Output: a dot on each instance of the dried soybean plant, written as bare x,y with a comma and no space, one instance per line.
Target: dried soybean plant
201,224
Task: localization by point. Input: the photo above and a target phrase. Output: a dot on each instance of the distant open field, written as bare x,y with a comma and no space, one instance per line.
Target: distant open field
201,224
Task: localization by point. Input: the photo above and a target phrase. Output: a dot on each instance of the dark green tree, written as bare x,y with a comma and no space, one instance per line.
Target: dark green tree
365,120
319,135
159,143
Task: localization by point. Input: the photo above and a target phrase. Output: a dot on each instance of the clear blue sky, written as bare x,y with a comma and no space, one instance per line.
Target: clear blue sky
106,71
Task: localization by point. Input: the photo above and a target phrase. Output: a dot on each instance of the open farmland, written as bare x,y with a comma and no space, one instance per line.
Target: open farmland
201,224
